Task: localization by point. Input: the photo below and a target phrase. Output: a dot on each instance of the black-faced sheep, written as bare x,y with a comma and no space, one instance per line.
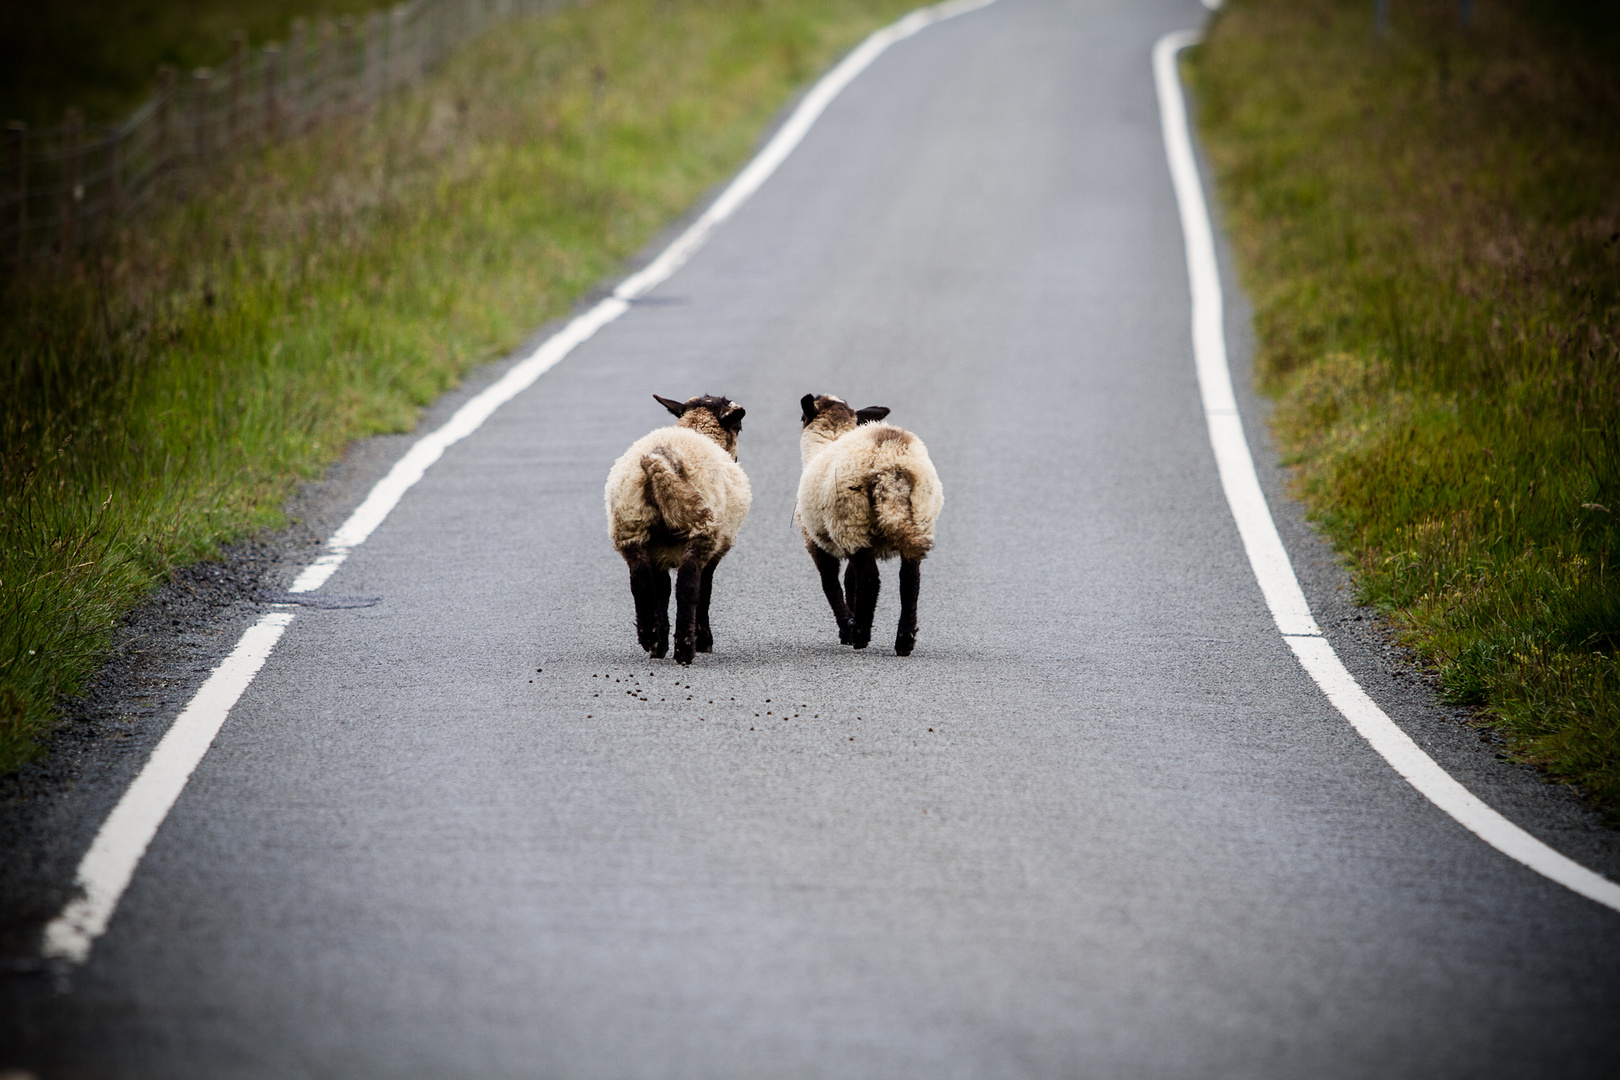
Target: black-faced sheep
675,500
868,492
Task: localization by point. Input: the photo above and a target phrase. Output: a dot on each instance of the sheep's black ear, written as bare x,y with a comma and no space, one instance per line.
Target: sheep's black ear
733,418
870,414
676,407
808,404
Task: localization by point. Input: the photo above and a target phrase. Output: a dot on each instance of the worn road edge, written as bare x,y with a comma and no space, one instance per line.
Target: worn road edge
111,861
1267,556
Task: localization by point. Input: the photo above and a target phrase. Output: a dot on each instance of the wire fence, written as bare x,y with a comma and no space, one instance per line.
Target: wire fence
65,186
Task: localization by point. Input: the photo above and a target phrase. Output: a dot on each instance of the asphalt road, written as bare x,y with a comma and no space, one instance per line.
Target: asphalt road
1101,824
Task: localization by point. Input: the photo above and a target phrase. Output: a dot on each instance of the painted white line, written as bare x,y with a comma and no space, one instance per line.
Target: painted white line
1267,556
106,869
786,138
410,468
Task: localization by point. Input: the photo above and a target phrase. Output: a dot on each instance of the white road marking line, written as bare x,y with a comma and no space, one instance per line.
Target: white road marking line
786,138
106,869
1268,557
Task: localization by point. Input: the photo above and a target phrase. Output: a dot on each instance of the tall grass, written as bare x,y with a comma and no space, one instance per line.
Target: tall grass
1429,225
167,395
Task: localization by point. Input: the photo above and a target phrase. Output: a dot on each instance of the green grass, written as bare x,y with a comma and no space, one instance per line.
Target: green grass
169,394
103,55
1429,226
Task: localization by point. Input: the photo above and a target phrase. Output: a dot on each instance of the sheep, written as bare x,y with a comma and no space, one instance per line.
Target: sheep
868,492
675,500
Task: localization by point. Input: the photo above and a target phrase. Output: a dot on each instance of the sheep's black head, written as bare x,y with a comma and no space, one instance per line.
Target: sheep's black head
718,417
836,415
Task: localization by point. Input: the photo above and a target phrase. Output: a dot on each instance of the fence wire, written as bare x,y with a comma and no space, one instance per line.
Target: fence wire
65,186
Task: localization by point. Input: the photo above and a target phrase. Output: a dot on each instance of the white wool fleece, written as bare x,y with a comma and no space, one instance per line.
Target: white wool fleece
720,484
846,480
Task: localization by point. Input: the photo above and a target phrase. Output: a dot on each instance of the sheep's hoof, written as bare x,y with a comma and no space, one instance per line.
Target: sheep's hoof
904,644
705,643
659,648
862,641
683,655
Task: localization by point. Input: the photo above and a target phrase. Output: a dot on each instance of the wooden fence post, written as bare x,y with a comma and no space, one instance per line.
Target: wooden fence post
427,18
322,90
202,80
72,189
269,62
297,52
114,153
374,51
233,114
165,121
388,27
418,15
391,47
17,138
436,43
346,79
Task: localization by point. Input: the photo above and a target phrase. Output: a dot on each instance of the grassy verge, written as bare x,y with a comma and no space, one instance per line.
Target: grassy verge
166,396
1429,225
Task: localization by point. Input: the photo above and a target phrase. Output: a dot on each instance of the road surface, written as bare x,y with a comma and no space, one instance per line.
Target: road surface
1101,824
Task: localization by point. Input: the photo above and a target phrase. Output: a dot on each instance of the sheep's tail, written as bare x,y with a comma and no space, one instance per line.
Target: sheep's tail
672,494
891,508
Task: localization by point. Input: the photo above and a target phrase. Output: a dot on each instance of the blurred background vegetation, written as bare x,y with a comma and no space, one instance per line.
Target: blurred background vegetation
102,55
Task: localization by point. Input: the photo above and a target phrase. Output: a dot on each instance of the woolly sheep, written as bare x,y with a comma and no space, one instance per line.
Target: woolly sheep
675,500
868,492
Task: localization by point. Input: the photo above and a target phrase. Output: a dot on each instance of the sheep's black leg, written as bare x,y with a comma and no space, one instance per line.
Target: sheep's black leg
852,592
688,594
660,606
705,639
644,589
827,566
910,580
863,573
871,585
